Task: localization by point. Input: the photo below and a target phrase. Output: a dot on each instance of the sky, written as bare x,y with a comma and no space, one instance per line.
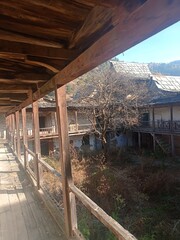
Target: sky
162,47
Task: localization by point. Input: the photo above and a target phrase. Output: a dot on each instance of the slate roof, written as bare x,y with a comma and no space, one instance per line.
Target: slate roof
167,83
132,70
162,89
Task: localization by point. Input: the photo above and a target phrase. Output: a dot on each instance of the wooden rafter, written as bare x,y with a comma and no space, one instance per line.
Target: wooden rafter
15,37
120,38
42,51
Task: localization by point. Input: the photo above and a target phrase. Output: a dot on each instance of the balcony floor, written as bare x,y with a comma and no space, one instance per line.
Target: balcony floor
23,216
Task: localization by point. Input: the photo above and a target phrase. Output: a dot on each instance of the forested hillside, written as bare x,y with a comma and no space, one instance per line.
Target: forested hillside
172,68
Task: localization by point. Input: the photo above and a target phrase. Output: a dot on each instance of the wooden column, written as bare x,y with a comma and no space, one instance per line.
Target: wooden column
7,128
55,121
13,133
153,119
18,135
68,199
171,118
154,142
76,119
10,130
37,146
139,140
171,128
25,140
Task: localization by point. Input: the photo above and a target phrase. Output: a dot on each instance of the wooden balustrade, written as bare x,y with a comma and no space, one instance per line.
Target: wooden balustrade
120,232
160,125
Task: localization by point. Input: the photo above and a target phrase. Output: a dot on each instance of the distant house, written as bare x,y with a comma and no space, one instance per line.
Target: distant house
79,127
160,118
160,123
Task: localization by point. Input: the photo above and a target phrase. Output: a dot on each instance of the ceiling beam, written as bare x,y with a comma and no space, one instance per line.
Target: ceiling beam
147,20
101,20
105,3
13,91
41,64
123,36
15,37
20,81
42,51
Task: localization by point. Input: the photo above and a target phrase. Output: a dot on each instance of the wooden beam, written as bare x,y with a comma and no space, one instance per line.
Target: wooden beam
95,25
36,63
42,51
18,135
25,141
62,122
140,25
25,90
20,38
105,3
101,20
9,81
53,62
37,145
14,127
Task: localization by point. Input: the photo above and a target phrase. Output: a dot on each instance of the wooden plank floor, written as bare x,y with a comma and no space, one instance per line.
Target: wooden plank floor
23,215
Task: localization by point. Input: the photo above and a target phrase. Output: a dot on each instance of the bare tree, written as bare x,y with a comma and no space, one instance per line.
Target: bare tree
109,100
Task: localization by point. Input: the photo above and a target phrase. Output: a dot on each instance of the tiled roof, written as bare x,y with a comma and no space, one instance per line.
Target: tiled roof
132,70
167,83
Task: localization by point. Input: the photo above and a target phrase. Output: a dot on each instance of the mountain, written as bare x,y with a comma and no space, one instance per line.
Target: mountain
171,69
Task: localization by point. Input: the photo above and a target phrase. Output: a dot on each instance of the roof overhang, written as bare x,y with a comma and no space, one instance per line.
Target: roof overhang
43,43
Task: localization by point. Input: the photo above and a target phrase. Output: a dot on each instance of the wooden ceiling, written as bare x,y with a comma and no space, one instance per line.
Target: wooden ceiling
49,42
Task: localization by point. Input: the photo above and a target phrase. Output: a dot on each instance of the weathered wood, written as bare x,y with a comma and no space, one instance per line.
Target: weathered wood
25,140
37,146
65,158
172,145
102,216
18,135
13,132
139,140
123,36
22,90
42,51
154,142
36,63
14,37
22,213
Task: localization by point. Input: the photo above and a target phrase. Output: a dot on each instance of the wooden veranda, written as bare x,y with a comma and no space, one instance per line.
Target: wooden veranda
46,44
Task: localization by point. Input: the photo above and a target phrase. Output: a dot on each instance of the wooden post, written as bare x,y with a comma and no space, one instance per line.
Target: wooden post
25,141
13,132
172,145
18,135
76,119
7,128
171,118
37,146
10,129
55,121
153,118
154,142
139,140
69,201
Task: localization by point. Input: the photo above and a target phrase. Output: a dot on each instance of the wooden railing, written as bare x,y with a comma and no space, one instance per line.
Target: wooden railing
50,131
160,125
34,169
99,213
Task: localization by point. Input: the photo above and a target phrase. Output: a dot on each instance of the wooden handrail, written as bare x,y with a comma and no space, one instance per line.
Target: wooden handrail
51,169
120,232
29,151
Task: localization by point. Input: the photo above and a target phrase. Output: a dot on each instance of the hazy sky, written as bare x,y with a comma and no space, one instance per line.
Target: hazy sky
162,47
